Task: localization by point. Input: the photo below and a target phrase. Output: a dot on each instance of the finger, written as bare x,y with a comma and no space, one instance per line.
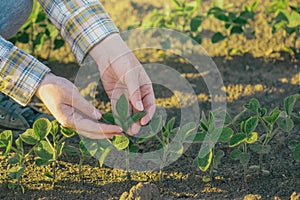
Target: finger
84,124
97,136
134,129
149,103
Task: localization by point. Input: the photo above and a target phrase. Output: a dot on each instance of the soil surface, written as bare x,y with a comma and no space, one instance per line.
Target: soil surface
260,71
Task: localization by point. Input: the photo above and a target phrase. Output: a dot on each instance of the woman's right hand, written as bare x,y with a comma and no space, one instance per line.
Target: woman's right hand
71,110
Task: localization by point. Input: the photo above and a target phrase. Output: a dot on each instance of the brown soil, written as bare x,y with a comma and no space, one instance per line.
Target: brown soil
262,71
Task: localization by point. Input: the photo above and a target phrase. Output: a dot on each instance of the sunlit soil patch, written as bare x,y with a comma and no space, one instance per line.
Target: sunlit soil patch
33,177
209,189
295,80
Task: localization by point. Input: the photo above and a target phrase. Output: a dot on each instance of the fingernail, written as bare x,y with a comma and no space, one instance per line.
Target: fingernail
139,105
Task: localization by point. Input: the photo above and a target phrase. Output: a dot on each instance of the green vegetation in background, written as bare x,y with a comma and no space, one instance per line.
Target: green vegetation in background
38,32
287,18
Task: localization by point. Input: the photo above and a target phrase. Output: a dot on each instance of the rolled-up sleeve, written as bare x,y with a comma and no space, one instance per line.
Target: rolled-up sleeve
82,23
20,73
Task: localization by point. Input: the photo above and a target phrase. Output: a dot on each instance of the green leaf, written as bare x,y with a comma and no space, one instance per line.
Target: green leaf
285,124
273,116
215,10
58,43
297,153
294,19
235,154
23,38
206,179
252,137
259,148
67,132
253,105
108,118
44,150
49,175
176,148
244,158
83,149
29,137
196,23
217,158
251,124
289,103
120,142
42,128
133,148
59,149
218,37
12,186
14,160
292,144
16,172
54,127
71,150
176,2
6,140
156,124
136,117
104,155
195,138
221,16
236,30
185,130
41,162
225,134
170,124
122,107
204,162
237,139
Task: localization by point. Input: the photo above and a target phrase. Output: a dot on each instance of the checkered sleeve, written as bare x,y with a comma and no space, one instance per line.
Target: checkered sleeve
82,23
20,73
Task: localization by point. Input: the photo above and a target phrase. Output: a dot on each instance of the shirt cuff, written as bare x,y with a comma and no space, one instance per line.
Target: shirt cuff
20,73
85,28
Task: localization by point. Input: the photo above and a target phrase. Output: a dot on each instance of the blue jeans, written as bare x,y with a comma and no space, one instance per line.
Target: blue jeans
13,14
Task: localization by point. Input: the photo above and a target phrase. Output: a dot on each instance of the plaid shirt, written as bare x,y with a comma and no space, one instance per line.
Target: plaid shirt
82,23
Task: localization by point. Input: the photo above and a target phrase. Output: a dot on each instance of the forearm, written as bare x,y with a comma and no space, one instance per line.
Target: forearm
82,23
20,73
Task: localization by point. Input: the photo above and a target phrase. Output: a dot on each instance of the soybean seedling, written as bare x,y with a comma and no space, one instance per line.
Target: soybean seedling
171,141
209,136
48,150
32,137
122,119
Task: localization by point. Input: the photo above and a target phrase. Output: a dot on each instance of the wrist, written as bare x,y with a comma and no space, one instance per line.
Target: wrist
49,78
108,50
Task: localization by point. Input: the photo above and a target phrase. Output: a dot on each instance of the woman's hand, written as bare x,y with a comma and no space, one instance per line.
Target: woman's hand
64,101
121,73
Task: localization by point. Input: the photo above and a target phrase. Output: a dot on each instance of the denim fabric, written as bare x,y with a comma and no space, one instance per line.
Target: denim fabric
13,14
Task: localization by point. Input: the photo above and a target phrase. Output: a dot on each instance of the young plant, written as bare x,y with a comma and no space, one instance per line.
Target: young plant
236,22
101,148
50,148
81,152
32,137
171,140
286,18
210,135
183,17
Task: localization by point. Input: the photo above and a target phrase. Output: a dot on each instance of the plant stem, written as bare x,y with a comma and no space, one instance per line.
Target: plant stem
127,164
